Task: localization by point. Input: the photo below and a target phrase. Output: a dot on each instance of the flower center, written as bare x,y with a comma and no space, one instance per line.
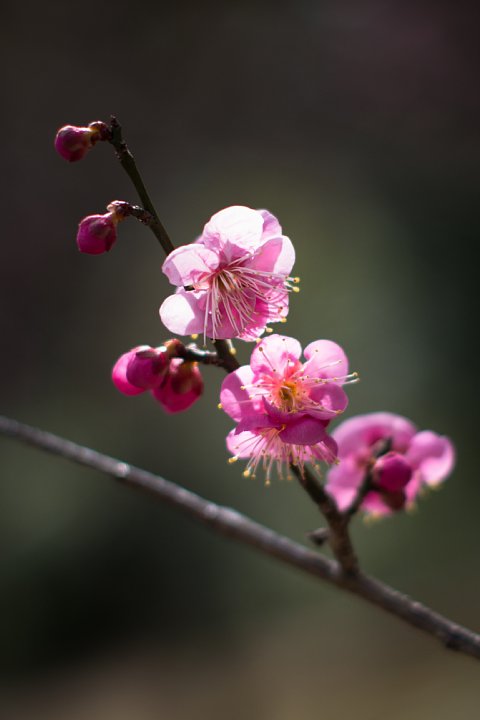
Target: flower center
288,395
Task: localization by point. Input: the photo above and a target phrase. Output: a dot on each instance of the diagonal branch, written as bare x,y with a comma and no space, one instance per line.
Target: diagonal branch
231,523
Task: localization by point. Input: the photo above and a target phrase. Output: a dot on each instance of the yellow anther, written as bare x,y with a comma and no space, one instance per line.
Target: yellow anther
296,280
246,473
232,460
220,406
296,289
233,351
267,482
283,320
242,387
268,330
258,340
194,336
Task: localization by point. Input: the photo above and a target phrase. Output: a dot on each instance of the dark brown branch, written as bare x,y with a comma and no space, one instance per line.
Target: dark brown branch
232,524
226,354
338,536
128,163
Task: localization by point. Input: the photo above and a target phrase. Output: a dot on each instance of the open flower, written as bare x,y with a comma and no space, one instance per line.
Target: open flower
397,460
233,280
283,406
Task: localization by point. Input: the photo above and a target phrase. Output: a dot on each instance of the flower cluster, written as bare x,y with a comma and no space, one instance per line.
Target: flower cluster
386,452
233,280
283,407
174,382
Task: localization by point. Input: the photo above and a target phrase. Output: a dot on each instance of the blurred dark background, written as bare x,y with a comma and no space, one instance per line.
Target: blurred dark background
357,124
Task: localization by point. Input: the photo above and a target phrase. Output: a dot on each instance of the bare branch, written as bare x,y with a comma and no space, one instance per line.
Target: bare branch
232,524
127,161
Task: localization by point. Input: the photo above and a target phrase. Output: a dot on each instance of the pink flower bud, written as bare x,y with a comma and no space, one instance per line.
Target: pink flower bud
73,143
182,386
97,233
147,367
119,372
392,472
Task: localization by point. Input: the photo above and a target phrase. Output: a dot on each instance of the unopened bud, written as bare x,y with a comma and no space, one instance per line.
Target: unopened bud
119,372
97,233
182,386
392,473
147,367
73,143
186,377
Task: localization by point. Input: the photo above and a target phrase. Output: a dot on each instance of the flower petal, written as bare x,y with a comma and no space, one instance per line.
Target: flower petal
244,444
237,228
331,399
188,264
272,355
361,432
326,359
303,430
271,226
182,313
433,455
234,395
343,481
255,423
276,255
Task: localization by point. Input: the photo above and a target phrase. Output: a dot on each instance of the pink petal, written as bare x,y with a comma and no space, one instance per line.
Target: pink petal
276,255
235,228
433,455
234,399
326,359
255,423
303,430
343,481
188,264
182,313
331,398
361,432
374,505
119,373
271,226
272,355
244,444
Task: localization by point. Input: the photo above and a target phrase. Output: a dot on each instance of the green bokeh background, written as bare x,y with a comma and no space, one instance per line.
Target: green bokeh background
356,123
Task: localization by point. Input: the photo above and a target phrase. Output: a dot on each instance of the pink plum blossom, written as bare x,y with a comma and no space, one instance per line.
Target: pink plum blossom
399,461
283,406
233,280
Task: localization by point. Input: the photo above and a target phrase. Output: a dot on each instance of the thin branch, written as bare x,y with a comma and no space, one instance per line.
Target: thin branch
226,353
128,163
232,524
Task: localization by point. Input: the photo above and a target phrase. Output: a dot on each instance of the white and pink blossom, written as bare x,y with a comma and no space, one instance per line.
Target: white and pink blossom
234,280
